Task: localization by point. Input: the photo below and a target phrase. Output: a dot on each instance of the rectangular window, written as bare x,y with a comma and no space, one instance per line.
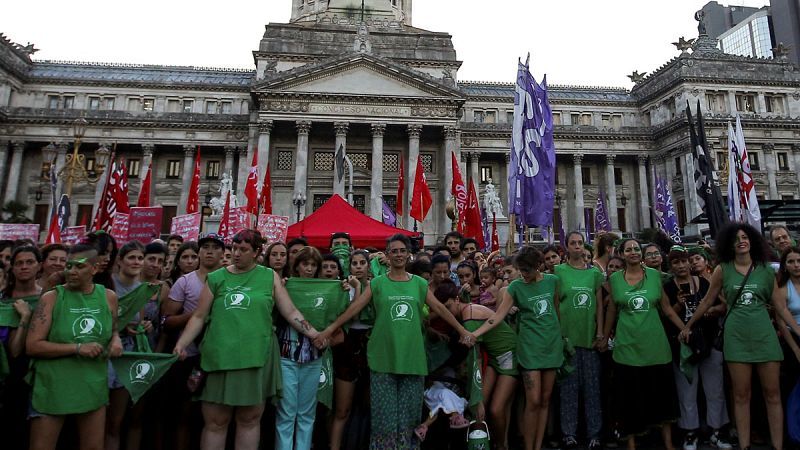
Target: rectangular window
586,175
211,107
721,161
774,103
69,101
616,121
227,107
754,160
623,225
510,117
606,120
391,201
479,116
681,211
40,213
486,174
745,102
491,117
285,160
52,101
715,103
108,103
618,176
94,103
173,168
555,178
574,119
678,166
586,119
173,105
556,118
212,170
360,203
148,104
134,104
90,163
320,199
787,197
133,168
188,105
783,161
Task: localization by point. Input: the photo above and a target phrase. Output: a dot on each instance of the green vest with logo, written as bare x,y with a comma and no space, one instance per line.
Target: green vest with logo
396,344
539,343
577,289
73,384
749,335
640,338
239,333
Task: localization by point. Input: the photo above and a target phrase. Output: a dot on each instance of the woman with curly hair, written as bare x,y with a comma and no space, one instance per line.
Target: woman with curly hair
748,282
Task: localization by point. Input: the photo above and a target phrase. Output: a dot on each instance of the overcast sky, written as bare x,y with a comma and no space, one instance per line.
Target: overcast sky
583,42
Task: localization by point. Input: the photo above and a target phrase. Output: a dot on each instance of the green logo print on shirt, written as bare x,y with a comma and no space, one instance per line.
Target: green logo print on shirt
401,308
746,298
581,300
236,299
638,304
86,326
541,304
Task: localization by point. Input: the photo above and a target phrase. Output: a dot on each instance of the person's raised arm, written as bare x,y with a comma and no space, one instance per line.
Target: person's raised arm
782,310
195,324
498,316
711,296
435,305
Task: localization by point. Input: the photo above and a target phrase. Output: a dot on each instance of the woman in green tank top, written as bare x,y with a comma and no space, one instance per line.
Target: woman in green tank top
73,328
749,338
239,350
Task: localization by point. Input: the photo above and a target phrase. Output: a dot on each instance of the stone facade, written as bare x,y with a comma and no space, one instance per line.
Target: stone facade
388,93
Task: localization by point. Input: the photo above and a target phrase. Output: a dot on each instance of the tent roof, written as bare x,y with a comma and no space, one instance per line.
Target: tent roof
336,215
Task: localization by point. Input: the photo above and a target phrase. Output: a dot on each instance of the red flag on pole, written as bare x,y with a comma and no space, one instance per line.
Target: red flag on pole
421,196
115,197
495,236
265,202
120,188
401,181
53,234
251,187
144,192
101,219
459,191
193,202
225,223
473,227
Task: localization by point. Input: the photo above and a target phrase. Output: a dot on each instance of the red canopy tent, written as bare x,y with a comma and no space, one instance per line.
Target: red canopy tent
336,215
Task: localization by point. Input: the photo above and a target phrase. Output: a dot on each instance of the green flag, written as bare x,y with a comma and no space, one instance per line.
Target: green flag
134,301
9,316
475,388
138,372
325,390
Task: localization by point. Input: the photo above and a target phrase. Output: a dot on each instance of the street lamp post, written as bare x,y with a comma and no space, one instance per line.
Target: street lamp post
74,167
299,201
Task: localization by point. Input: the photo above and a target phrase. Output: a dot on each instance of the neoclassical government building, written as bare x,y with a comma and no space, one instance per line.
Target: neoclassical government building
389,94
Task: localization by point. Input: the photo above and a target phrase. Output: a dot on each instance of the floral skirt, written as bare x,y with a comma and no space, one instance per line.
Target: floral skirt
396,409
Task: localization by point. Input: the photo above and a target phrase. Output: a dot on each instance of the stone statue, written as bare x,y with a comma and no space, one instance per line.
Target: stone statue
362,43
218,203
700,17
491,200
636,77
683,44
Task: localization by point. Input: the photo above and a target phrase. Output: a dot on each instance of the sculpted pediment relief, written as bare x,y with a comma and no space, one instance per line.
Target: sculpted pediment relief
360,81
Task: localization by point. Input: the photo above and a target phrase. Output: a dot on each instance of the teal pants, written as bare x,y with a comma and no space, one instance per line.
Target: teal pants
294,425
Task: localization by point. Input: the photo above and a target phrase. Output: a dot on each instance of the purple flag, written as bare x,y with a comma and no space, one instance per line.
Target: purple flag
601,220
670,217
389,217
531,182
487,233
660,204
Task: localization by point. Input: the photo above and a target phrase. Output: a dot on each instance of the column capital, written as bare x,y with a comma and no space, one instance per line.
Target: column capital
341,128
230,150
303,127
577,158
465,157
148,149
642,159
474,156
414,131
62,147
265,127
796,148
610,159
378,129
768,147
189,150
450,132
18,146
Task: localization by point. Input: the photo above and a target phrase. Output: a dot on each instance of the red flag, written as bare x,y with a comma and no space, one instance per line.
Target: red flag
193,202
265,202
421,200
251,187
101,219
225,223
115,197
53,234
495,236
459,191
401,182
120,188
144,192
473,227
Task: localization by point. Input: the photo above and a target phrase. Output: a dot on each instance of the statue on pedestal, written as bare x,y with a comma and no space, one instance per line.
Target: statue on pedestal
218,203
491,201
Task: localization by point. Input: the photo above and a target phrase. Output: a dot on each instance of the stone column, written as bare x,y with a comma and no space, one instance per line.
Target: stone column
12,185
450,145
340,186
414,132
732,102
644,195
147,159
99,186
245,157
474,171
189,151
376,185
772,169
264,138
761,101
61,160
301,166
230,151
3,159
577,160
611,188
795,150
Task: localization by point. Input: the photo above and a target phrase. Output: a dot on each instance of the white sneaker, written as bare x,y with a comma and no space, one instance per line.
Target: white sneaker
690,442
718,441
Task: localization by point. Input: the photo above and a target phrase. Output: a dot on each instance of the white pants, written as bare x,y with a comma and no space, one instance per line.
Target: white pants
710,369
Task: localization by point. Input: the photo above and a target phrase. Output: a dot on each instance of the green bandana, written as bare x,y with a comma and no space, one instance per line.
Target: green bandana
566,367
342,251
134,301
377,268
9,316
138,372
475,388
325,390
686,368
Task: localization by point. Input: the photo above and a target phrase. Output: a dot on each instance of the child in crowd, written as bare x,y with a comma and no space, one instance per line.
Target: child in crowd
489,288
441,397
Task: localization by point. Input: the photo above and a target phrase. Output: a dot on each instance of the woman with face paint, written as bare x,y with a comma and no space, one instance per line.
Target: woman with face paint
644,389
73,328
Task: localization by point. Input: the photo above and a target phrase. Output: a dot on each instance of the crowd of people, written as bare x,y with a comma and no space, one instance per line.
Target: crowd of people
596,344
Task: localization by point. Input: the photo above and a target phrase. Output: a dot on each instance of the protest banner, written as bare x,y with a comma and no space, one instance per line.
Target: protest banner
73,235
120,227
187,226
273,228
145,224
16,231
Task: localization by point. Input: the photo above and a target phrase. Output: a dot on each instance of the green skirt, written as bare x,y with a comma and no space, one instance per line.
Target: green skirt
245,387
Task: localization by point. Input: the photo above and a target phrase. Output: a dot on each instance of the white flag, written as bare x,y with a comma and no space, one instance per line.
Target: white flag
748,201
734,200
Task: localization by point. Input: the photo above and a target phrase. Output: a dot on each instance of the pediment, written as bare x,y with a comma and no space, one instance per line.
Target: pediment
360,75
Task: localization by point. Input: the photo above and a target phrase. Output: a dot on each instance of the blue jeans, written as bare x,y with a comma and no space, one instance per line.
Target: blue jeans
294,424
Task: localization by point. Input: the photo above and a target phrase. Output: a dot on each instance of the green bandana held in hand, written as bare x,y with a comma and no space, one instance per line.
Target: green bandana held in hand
9,316
342,251
134,301
138,372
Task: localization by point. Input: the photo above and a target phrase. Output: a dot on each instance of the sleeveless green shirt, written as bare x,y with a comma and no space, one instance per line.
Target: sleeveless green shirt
578,303
640,338
539,343
396,344
239,333
73,384
749,335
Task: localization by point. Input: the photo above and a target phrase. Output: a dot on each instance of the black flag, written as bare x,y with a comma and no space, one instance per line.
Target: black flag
340,163
709,197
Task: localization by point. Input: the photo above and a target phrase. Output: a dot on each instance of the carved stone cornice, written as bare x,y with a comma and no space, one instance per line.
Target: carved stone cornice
378,129
303,127
124,119
414,131
341,128
265,127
